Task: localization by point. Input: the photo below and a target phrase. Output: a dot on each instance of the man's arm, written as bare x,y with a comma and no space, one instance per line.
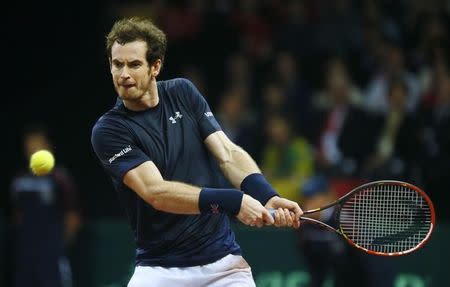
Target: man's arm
168,196
238,166
181,198
234,161
71,204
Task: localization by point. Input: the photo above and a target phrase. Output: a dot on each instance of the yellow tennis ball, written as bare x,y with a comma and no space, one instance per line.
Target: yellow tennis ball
42,162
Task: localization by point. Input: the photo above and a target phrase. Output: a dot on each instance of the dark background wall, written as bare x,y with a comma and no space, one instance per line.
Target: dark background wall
56,73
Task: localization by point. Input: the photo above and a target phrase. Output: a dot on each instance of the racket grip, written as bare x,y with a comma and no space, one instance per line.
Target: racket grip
272,212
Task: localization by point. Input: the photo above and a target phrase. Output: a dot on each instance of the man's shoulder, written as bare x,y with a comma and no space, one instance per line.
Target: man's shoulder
175,84
109,120
114,114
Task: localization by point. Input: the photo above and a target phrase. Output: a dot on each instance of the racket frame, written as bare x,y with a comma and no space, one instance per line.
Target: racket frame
340,201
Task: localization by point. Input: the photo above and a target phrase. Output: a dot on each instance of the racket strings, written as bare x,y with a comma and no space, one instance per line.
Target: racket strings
386,218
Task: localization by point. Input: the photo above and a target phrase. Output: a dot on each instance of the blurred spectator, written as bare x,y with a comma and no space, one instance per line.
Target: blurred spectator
436,144
396,148
47,217
274,100
239,71
288,75
431,49
431,77
287,159
327,254
295,90
339,86
196,76
238,121
343,129
370,55
393,67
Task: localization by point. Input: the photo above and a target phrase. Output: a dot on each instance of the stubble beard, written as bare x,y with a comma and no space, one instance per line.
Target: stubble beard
126,94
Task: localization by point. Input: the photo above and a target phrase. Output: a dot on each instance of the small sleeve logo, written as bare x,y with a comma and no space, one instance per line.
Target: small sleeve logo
215,208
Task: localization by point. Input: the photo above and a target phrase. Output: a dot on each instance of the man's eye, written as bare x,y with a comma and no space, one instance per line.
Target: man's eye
118,65
135,65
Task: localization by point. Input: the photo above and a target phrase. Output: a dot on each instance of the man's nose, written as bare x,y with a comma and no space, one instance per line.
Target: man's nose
125,74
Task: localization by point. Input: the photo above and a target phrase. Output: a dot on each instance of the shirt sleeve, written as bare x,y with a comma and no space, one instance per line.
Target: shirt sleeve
115,148
202,113
68,188
13,192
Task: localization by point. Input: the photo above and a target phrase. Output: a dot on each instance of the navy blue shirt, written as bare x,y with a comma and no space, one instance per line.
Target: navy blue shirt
171,135
42,202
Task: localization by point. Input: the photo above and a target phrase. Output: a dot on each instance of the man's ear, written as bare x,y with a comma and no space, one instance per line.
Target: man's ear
155,68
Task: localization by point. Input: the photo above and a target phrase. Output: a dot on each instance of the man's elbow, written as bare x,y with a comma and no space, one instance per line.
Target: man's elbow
153,195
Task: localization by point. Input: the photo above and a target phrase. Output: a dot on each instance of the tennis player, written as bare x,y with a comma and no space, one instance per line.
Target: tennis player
167,157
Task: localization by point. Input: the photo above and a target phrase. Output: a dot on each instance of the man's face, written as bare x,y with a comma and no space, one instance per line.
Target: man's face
34,142
130,71
397,99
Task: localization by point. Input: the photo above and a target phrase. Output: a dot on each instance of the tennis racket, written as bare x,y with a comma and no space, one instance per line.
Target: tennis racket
388,218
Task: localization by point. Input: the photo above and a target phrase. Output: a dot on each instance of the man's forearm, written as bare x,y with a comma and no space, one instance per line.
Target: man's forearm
238,166
72,223
174,197
177,197
244,174
181,198
240,169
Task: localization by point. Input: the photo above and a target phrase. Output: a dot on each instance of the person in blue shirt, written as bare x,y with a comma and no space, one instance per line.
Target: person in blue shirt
172,167
47,217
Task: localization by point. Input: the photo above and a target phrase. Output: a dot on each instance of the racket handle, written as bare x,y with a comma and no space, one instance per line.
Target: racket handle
272,212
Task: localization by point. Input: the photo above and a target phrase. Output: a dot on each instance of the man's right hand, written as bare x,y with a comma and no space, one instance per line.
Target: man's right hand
252,213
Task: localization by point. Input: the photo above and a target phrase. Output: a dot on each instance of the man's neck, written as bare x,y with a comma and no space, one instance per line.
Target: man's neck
149,100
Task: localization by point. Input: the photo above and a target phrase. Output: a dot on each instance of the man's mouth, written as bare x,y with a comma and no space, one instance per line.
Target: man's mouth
127,86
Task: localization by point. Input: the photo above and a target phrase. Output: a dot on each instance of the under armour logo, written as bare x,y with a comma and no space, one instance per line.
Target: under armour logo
215,208
173,119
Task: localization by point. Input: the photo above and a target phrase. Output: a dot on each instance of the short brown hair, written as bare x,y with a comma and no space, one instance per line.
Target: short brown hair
133,29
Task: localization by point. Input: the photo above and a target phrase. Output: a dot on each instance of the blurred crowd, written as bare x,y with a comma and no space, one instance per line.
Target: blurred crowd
352,91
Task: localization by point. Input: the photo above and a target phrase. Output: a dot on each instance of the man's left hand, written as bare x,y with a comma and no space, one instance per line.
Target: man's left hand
287,212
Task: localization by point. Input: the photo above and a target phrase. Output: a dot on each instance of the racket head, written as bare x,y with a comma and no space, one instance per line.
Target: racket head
387,218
